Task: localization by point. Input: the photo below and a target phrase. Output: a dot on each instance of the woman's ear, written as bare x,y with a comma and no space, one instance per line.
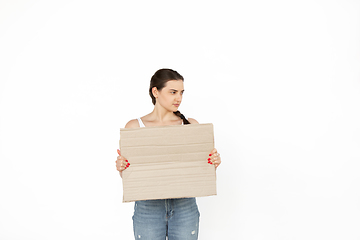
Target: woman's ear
155,92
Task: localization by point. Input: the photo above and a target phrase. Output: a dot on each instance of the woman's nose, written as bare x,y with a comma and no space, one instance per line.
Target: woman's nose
178,97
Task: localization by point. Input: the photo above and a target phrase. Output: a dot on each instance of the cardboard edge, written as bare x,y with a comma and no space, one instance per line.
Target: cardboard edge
167,126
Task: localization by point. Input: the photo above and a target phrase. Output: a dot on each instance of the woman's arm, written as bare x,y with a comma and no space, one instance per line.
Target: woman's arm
121,162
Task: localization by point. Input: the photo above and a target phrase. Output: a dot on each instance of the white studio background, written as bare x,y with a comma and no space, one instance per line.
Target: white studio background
278,79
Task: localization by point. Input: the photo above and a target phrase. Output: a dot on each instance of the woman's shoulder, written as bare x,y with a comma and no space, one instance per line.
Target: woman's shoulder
133,123
193,121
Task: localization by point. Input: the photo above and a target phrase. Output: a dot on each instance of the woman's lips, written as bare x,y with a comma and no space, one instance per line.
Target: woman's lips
176,105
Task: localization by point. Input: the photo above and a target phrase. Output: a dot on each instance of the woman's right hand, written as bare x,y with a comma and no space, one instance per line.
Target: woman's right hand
121,162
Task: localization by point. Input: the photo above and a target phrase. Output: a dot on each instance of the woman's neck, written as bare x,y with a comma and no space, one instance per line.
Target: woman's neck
162,115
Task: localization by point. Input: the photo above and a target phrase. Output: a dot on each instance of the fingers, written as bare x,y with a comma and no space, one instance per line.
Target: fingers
213,151
214,158
121,162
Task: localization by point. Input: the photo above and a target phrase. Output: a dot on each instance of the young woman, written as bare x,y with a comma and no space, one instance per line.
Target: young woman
176,218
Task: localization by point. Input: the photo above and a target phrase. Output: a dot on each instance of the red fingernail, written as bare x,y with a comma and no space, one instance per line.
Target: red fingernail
209,159
211,163
128,164
126,160
210,154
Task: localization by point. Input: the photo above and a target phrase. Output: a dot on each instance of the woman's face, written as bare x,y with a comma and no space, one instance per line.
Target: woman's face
171,95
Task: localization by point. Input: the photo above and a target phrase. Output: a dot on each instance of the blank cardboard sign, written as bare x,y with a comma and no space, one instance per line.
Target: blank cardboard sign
168,162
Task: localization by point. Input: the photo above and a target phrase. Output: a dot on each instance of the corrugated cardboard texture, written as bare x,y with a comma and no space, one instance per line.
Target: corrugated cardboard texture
168,162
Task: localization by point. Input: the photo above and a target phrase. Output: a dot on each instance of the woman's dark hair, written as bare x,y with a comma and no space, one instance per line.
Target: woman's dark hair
159,80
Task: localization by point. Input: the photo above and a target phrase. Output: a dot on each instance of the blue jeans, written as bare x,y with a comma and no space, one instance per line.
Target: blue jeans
176,218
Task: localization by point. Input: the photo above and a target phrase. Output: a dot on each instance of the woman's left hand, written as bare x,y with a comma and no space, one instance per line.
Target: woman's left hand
214,158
